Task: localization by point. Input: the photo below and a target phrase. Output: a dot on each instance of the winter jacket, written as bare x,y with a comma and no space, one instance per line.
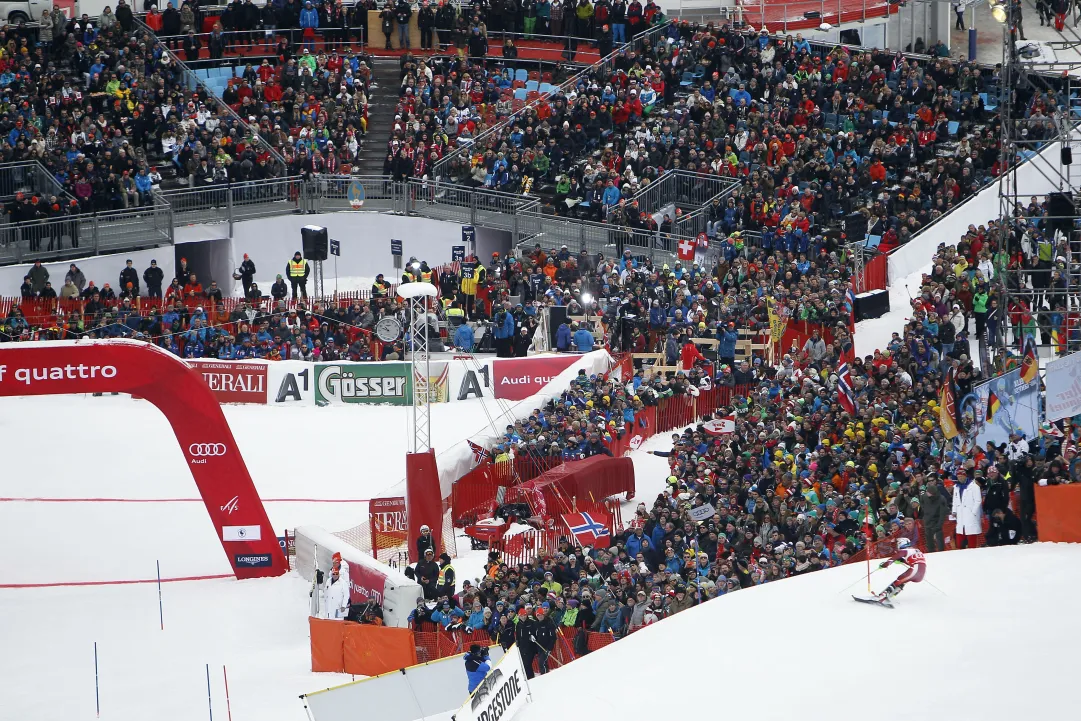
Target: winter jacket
464,337
476,668
968,507
933,509
1006,532
726,348
563,337
583,340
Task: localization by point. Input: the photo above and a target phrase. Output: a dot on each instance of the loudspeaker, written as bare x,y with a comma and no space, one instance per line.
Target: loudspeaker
1066,155
872,305
315,242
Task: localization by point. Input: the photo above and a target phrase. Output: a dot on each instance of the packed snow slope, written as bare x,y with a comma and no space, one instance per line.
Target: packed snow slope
802,648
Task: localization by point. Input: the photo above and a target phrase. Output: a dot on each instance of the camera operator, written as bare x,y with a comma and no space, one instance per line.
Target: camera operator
477,665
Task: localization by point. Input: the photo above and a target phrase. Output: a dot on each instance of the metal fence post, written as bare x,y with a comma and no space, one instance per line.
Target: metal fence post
473,209
514,234
97,236
229,206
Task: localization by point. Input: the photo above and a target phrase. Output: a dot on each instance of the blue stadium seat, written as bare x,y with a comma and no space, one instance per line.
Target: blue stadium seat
519,94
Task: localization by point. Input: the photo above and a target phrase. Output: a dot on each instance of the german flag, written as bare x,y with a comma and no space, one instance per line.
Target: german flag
1030,366
993,404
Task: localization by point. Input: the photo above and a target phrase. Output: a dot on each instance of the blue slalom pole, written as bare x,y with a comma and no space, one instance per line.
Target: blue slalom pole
208,702
97,693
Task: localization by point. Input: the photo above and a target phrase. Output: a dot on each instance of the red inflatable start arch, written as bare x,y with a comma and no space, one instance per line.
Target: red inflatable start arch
124,366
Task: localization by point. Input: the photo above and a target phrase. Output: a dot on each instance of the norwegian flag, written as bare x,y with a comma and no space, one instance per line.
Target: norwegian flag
845,394
589,529
479,454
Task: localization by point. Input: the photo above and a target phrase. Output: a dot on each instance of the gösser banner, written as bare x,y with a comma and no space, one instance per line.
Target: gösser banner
234,381
503,692
1062,378
363,383
519,378
207,444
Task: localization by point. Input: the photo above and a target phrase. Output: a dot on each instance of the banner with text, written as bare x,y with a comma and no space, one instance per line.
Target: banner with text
502,694
515,379
363,383
234,381
1062,379
388,522
1002,406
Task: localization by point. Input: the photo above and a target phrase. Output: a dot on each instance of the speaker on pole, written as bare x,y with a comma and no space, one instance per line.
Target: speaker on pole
315,242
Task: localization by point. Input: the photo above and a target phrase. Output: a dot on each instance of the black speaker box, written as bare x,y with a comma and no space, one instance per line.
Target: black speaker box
315,242
557,315
872,305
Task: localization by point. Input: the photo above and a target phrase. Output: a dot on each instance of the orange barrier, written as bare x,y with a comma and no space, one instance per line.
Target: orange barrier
327,645
374,650
359,649
1058,509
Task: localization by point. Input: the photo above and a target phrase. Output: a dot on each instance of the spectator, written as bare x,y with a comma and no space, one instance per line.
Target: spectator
583,338
477,666
1005,529
967,510
38,276
298,271
153,277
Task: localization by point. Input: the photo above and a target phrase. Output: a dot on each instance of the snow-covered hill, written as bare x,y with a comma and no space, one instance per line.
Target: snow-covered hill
990,641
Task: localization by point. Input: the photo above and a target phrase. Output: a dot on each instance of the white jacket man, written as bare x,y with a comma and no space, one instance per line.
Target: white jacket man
968,508
335,603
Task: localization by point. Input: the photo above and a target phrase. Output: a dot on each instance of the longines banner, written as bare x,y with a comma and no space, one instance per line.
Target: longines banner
503,692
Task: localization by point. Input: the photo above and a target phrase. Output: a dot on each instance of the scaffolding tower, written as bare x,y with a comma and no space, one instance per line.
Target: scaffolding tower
1039,102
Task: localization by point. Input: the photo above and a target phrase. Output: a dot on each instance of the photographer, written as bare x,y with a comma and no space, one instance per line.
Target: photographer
477,665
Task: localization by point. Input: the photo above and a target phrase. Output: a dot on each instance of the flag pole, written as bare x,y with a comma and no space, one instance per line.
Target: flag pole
161,613
97,691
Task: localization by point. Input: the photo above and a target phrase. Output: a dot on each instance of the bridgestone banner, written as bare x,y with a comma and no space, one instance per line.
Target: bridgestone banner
502,694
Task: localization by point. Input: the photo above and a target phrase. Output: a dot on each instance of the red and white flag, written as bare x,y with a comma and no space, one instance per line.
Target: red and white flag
685,249
721,426
589,529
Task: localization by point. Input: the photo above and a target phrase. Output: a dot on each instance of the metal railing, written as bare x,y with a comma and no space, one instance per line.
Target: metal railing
603,66
233,202
32,178
193,81
74,236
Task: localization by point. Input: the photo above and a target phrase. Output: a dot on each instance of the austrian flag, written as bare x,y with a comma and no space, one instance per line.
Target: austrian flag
589,529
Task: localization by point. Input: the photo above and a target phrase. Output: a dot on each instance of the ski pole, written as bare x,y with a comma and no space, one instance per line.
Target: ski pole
97,692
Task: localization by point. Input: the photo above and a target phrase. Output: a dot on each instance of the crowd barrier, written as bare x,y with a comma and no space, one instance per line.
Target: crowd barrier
473,495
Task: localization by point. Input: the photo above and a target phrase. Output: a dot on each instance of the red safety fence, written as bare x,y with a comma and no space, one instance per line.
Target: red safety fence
473,496
886,547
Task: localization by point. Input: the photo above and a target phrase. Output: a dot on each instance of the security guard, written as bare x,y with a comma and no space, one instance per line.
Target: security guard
455,311
380,288
297,269
426,274
445,581
472,274
410,275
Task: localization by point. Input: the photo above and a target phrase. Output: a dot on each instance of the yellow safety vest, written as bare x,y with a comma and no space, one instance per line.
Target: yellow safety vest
380,288
454,312
409,277
296,269
442,580
426,277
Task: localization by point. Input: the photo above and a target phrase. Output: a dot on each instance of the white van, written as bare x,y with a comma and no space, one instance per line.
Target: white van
32,10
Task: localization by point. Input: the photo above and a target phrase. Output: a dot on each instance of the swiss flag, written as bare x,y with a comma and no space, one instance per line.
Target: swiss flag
686,249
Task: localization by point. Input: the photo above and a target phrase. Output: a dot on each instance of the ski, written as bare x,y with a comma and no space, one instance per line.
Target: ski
873,601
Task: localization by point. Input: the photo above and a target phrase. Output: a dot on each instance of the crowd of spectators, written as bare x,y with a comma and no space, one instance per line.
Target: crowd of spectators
802,484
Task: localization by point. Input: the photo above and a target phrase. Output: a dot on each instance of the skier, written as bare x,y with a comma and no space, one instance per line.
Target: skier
915,563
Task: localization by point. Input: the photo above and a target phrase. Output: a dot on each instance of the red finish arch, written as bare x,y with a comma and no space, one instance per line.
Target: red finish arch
124,366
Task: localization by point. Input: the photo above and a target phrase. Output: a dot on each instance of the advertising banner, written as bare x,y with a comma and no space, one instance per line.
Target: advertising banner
363,383
438,382
366,584
388,522
503,692
517,378
1062,378
234,381
290,382
1001,406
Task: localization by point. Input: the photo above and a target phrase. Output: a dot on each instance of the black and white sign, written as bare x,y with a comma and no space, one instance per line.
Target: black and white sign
457,253
395,247
335,247
469,234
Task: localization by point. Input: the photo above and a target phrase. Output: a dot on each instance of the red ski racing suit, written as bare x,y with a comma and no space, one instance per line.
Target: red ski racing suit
917,564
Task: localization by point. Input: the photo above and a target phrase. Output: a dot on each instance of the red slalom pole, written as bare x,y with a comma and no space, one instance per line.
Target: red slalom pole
228,708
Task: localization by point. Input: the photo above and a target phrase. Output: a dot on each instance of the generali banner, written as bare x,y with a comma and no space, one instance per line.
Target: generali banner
234,381
516,379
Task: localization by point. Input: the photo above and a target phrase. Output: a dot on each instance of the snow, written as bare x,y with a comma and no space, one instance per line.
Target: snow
74,453
933,651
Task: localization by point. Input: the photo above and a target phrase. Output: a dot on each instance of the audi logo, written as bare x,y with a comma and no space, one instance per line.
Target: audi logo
199,450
